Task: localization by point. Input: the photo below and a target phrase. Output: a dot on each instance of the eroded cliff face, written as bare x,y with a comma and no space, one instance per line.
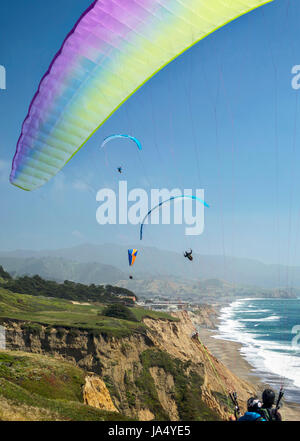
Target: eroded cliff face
175,338
162,374
96,394
206,316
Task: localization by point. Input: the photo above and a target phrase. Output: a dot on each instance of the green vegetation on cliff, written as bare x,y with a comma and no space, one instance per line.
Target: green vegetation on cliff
63,313
119,311
185,389
38,387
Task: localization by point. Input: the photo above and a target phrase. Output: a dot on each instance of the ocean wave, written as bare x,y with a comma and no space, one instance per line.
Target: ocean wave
277,359
285,366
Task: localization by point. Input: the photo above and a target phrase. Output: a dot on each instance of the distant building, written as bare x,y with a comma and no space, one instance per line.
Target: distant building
165,305
132,298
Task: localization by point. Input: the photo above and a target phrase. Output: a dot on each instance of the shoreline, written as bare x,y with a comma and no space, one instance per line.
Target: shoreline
228,353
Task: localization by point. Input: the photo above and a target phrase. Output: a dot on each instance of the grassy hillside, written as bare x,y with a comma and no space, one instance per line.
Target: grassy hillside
59,312
36,387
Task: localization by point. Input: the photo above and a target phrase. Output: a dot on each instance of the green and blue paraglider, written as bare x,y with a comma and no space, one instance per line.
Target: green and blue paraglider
164,202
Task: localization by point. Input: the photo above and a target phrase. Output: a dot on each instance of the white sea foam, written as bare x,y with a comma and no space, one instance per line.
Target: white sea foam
269,358
271,318
285,366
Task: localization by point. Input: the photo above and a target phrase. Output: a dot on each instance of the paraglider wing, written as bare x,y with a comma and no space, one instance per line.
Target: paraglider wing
132,138
132,256
114,48
168,200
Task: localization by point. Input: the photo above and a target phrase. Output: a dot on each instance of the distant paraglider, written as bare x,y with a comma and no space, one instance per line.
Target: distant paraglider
164,202
189,255
132,256
132,253
131,138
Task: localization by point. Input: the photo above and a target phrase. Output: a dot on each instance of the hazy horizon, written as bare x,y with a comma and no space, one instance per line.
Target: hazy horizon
3,251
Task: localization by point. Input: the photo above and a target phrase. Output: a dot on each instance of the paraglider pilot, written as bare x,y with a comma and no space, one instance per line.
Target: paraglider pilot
189,255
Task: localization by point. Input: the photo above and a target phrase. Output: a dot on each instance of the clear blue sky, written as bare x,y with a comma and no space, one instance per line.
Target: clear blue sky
224,109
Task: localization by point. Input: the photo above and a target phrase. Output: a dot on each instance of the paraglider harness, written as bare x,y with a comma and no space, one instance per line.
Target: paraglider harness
270,414
234,399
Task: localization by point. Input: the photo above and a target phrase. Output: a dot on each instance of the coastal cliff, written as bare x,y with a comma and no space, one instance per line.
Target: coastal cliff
162,373
205,316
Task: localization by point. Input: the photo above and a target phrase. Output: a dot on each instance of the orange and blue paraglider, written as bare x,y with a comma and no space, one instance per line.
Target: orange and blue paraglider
132,256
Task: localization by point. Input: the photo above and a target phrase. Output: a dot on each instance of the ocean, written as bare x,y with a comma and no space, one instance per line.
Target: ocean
269,332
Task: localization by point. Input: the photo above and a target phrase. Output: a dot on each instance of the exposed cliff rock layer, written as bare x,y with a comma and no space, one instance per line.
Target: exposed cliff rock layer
206,316
163,374
95,394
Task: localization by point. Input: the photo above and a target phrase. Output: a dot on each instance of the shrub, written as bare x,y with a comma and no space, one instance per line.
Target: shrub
119,311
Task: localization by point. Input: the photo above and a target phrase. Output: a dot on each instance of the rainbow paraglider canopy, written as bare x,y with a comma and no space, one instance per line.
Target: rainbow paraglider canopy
113,49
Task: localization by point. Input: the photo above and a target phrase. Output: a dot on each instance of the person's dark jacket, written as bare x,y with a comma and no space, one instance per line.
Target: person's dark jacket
270,414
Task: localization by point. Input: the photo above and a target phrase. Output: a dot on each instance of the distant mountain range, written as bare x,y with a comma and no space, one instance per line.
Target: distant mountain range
107,263
60,269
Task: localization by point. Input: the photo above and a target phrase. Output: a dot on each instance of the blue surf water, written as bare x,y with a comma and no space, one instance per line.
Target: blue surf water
269,331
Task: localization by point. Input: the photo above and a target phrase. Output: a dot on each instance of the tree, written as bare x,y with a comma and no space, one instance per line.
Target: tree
4,274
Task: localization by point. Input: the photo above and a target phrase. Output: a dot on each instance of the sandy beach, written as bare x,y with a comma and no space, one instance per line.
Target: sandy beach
229,354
